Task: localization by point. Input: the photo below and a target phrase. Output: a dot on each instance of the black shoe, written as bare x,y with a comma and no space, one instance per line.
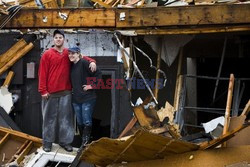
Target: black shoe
47,146
67,147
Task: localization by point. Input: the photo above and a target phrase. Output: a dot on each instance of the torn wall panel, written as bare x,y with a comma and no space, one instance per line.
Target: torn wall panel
138,147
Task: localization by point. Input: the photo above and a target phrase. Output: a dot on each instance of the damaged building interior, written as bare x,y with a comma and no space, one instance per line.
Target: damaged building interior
174,89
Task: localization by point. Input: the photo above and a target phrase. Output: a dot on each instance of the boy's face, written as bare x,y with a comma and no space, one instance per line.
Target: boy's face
58,40
74,57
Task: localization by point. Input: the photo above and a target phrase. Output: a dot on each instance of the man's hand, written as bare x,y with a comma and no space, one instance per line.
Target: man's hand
86,87
45,96
92,66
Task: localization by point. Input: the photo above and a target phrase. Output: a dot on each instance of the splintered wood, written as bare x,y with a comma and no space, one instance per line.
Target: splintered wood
15,145
146,118
168,113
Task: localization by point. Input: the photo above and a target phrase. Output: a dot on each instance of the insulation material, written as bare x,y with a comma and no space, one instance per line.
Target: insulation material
171,45
6,99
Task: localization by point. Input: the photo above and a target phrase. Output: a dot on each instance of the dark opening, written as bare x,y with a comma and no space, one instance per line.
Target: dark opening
102,113
57,164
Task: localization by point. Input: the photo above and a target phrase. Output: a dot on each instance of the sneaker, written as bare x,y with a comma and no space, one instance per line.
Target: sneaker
67,147
47,146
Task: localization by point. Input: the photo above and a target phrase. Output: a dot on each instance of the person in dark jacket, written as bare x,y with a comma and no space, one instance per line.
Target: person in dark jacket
84,96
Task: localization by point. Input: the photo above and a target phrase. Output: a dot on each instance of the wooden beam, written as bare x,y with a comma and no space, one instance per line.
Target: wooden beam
142,118
179,80
246,110
4,139
25,152
184,15
228,105
49,18
21,135
189,30
195,16
18,55
206,158
8,55
8,79
215,142
129,126
156,90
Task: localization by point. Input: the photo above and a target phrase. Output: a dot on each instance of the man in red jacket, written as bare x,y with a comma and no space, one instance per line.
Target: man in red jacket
55,88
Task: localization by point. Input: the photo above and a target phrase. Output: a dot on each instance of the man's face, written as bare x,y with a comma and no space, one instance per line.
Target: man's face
58,40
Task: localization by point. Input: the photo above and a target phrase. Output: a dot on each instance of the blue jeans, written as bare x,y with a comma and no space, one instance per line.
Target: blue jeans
84,112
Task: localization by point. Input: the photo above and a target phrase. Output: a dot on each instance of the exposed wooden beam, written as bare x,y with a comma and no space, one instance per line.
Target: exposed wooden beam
246,110
188,15
50,18
8,79
193,30
228,105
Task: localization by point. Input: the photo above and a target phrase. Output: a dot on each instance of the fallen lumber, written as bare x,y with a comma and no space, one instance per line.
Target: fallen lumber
141,146
7,56
214,143
246,109
222,157
8,79
17,56
228,106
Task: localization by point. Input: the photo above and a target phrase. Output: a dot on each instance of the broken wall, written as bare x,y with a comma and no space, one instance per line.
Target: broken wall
27,111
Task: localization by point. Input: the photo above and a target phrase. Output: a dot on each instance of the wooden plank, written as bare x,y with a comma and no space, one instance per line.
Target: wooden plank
202,158
8,79
222,139
129,126
14,157
143,145
142,117
25,151
179,80
242,138
22,135
246,110
118,157
158,66
159,130
33,18
18,55
228,105
184,15
7,56
4,139
102,3
194,30
195,16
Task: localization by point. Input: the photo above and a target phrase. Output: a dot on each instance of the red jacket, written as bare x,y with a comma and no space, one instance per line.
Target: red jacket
54,71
